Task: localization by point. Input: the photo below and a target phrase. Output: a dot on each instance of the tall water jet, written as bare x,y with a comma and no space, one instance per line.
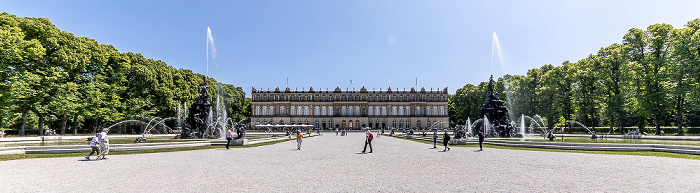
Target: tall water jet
522,125
496,49
210,40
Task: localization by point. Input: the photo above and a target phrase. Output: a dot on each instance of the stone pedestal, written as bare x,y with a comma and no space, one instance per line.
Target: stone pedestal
239,142
462,141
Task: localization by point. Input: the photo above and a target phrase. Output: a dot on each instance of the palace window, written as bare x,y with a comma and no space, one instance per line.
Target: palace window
264,111
299,111
306,111
282,111
418,111
370,111
343,111
350,109
357,110
316,111
293,111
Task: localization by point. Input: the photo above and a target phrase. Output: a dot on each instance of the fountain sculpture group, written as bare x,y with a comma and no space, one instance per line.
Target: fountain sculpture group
495,114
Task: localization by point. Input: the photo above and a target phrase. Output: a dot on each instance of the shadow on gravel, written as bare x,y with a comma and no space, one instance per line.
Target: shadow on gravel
360,153
477,150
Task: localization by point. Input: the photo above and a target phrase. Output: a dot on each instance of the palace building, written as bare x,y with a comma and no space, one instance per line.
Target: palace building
351,109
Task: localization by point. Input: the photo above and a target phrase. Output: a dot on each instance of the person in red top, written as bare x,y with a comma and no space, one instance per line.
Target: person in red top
368,140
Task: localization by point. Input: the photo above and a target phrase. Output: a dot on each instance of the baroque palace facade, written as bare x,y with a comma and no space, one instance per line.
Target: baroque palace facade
350,109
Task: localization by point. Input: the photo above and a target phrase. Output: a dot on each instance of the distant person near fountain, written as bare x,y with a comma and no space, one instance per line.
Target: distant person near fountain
435,135
104,144
300,138
481,139
445,139
229,137
368,140
94,145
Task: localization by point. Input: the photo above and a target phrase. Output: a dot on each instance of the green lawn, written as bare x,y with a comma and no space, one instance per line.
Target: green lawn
111,141
642,153
609,140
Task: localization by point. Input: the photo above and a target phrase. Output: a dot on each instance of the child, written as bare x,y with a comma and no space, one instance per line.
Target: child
93,144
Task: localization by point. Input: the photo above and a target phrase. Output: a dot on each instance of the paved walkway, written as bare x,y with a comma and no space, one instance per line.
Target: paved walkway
331,163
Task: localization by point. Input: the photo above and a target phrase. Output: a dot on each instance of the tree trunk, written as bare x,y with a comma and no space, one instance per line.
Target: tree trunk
63,124
75,125
656,122
679,114
41,123
25,112
619,121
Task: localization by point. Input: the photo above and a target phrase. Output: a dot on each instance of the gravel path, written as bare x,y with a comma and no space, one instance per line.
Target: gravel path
332,163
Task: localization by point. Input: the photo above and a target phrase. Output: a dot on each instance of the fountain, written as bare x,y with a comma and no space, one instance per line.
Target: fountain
496,122
200,122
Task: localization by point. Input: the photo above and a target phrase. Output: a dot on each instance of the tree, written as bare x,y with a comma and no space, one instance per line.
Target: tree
683,69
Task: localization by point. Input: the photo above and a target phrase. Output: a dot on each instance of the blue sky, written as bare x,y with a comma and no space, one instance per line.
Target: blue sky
377,44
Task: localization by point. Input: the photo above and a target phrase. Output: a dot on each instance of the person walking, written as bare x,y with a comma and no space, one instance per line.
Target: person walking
368,140
481,139
94,145
299,139
104,144
379,133
435,136
445,139
229,136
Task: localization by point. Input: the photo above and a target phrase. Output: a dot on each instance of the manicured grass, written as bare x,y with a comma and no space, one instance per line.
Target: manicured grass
610,140
30,156
641,153
111,141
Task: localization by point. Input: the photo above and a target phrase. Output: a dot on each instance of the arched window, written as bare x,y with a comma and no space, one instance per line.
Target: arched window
427,111
417,110
442,111
435,110
264,111
299,111
323,111
357,110
330,111
393,124
343,111
350,111
306,110
370,111
377,111
257,110
293,111
271,112
282,113
384,111
400,111
317,111
393,111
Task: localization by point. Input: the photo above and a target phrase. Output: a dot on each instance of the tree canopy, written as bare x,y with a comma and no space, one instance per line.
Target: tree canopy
650,79
49,76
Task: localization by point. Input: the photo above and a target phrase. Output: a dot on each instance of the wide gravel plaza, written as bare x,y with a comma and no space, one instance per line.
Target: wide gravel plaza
332,163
